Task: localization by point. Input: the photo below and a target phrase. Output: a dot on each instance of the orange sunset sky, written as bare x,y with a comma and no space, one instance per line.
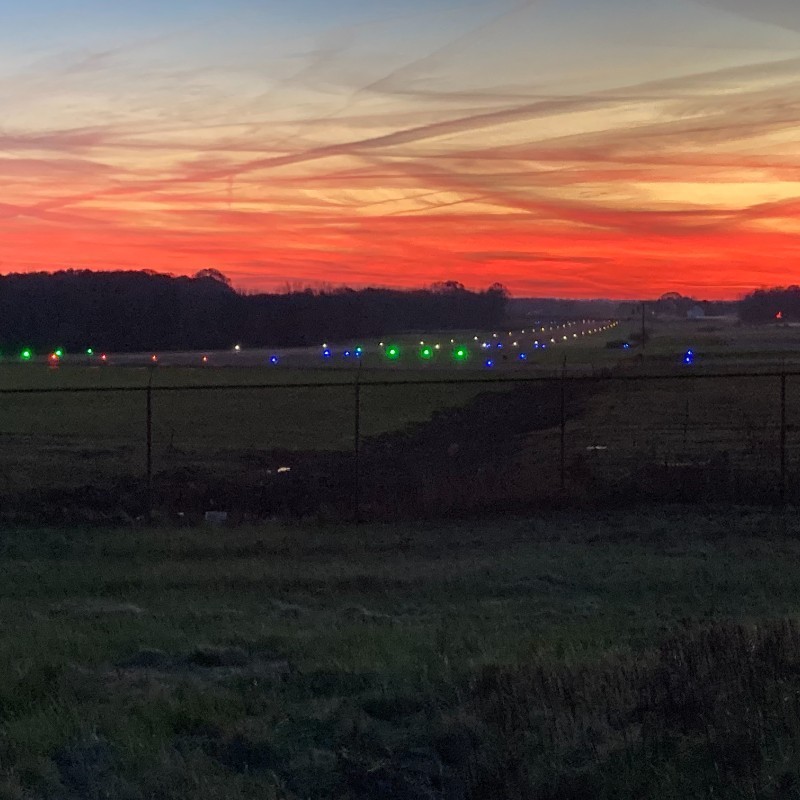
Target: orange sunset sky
581,148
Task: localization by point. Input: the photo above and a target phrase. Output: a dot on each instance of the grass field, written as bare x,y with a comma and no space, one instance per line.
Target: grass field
54,441
293,418
650,653
63,439
694,420
698,429
617,431
721,344
562,656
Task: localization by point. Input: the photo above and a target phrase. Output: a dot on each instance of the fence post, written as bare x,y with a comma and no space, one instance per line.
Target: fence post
149,445
783,439
686,429
563,439
644,328
357,448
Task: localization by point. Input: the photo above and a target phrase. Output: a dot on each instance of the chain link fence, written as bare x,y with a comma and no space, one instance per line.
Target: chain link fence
383,449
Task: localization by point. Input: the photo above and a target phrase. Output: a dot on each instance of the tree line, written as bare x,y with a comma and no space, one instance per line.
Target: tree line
771,305
143,310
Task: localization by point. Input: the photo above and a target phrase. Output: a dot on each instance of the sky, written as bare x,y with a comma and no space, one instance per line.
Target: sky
571,148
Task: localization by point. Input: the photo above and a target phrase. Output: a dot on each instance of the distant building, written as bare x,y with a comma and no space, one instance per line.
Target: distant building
696,312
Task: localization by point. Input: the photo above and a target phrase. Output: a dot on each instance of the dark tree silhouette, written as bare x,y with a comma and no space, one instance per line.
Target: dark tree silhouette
764,305
135,311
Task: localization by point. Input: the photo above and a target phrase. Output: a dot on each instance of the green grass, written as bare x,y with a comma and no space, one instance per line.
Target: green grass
63,439
676,420
343,662
72,440
66,440
720,344
711,426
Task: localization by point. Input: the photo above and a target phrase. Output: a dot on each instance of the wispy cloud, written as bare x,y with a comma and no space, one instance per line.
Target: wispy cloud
360,156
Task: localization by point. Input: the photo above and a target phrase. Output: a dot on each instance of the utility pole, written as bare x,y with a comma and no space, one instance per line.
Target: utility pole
562,450
783,440
357,448
644,330
149,448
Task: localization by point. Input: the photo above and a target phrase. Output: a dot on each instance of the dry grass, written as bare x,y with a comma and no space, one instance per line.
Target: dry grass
572,655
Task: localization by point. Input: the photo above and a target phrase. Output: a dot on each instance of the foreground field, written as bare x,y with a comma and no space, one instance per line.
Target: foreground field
563,656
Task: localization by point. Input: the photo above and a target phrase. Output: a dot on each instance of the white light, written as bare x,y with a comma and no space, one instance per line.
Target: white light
421,343
438,347
237,348
452,341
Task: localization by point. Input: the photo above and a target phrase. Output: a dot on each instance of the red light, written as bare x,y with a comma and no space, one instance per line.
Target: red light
103,357
779,315
154,358
205,359
54,356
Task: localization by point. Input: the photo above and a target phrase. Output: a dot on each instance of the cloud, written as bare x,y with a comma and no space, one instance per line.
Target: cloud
340,165
781,13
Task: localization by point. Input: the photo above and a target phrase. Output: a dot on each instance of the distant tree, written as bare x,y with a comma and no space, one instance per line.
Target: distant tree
213,275
144,310
498,288
673,304
764,305
447,287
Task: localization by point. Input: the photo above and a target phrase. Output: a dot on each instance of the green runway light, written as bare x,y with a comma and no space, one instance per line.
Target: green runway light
460,354
426,353
60,353
393,352
89,351
26,355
